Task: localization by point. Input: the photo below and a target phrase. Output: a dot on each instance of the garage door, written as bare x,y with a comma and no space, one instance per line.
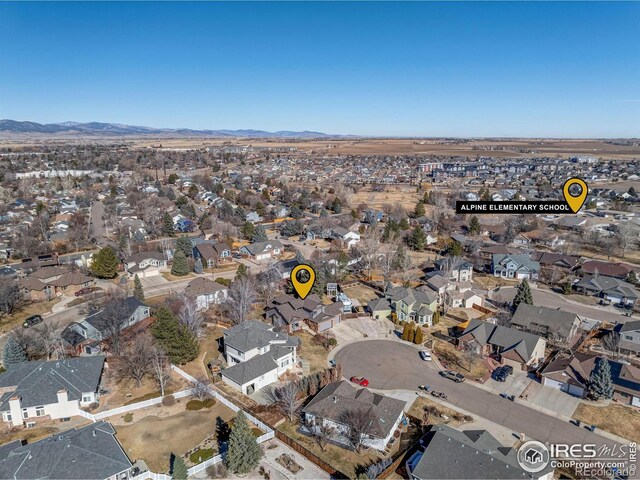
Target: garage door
576,391
553,384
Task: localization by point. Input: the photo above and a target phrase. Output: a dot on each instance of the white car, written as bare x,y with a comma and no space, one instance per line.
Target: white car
425,355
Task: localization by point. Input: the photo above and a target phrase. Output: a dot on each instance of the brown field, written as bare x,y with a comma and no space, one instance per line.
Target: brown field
617,419
405,195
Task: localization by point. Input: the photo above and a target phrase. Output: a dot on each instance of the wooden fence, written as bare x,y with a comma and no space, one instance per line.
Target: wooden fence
302,450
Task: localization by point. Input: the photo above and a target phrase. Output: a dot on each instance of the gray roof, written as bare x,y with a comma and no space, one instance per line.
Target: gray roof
630,326
523,262
141,256
90,452
260,247
38,383
255,367
253,334
411,296
608,285
468,454
484,333
339,397
544,319
100,321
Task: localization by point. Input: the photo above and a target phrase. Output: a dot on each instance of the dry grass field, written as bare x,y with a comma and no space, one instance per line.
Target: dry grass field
404,195
617,419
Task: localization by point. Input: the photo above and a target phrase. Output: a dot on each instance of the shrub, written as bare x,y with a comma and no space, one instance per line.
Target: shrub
168,400
200,404
94,406
201,455
223,281
128,417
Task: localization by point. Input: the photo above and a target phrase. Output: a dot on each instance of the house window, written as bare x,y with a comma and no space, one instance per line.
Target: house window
25,413
40,411
7,416
86,398
628,337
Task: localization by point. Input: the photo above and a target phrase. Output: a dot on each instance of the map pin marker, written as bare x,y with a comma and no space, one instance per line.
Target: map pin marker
303,277
575,202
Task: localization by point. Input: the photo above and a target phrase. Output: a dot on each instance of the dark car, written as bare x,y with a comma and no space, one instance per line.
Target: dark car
451,375
31,321
83,291
502,373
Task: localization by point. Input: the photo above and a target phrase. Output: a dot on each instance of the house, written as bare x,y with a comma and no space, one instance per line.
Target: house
610,289
464,298
629,337
329,406
560,260
145,264
206,292
85,452
571,222
263,250
551,323
253,217
99,326
257,355
447,453
212,253
347,238
52,390
546,236
289,313
413,305
50,281
616,270
458,270
521,350
514,266
380,308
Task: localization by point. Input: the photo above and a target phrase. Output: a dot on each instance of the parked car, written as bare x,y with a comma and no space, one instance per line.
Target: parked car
31,321
451,375
502,373
83,291
425,355
363,382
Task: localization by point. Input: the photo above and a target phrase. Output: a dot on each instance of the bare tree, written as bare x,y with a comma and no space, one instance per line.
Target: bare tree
359,423
201,388
470,352
369,249
114,315
611,342
161,368
267,285
136,361
190,316
10,297
48,338
625,236
320,432
286,398
241,297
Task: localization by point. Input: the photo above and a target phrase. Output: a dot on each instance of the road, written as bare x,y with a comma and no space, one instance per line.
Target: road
390,365
553,300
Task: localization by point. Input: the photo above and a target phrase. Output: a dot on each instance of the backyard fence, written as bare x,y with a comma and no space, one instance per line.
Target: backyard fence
137,405
302,450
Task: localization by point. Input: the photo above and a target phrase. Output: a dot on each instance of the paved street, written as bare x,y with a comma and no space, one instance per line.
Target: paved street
393,365
553,300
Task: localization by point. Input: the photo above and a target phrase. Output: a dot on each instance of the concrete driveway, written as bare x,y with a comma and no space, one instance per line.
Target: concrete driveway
390,365
153,281
514,384
562,402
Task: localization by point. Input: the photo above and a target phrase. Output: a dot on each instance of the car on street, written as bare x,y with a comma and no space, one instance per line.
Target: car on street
425,355
363,382
83,291
31,321
451,375
501,374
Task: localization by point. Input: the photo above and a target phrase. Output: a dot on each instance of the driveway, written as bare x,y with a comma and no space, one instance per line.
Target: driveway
392,365
153,281
554,300
562,402
514,385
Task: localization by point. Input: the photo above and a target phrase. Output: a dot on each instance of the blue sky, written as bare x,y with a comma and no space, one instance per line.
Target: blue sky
427,69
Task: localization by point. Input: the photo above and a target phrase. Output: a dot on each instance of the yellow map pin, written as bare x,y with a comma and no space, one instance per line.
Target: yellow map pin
303,277
575,201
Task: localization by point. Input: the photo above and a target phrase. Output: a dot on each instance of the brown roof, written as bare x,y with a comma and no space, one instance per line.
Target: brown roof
30,283
71,278
619,270
52,271
202,286
573,370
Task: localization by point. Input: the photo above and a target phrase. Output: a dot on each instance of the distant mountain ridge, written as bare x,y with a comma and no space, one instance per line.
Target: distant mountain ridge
117,129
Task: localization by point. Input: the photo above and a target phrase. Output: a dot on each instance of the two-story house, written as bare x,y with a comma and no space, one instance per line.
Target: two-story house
287,312
514,266
257,355
38,391
206,292
458,270
145,264
413,305
551,323
629,337
212,254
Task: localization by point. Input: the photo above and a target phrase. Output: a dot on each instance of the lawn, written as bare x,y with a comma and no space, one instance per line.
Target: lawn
361,293
455,360
208,351
173,278
316,355
342,459
617,419
418,407
36,308
154,439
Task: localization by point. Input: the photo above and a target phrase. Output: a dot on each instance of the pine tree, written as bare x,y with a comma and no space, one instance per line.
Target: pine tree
179,469
104,264
566,288
455,249
405,331
184,244
259,235
418,239
244,453
178,342
474,225
600,385
197,266
419,211
436,317
242,271
411,333
180,266
418,338
138,291
523,295
167,225
12,353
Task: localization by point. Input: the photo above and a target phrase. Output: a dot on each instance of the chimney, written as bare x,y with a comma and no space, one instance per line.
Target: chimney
94,433
335,399
63,396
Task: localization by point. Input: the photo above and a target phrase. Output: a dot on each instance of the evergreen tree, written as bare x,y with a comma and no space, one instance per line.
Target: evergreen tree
418,239
418,338
244,453
474,225
179,469
405,331
12,353
436,317
184,245
180,266
105,263
523,295
247,230
566,288
242,271
197,266
138,291
404,223
259,235
167,225
632,278
419,211
336,206
411,333
455,249
180,345
600,385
